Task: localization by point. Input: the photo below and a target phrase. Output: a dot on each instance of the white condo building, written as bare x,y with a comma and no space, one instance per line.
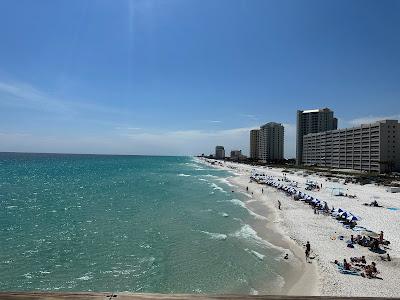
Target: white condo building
371,147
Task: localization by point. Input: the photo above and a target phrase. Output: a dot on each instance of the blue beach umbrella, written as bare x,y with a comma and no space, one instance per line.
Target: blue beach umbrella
352,218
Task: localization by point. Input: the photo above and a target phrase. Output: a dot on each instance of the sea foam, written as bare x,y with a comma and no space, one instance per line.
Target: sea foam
215,236
184,175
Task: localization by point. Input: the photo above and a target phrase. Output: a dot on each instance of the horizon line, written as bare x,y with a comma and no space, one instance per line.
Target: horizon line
99,154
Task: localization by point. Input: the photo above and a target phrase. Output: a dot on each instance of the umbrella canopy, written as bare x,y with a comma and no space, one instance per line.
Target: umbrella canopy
352,218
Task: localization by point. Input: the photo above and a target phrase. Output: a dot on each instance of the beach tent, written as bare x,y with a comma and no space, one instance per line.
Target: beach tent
336,191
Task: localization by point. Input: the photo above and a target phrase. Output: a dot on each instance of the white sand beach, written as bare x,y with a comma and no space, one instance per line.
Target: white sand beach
297,223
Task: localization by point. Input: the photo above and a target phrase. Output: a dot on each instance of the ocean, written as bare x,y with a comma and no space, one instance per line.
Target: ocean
128,224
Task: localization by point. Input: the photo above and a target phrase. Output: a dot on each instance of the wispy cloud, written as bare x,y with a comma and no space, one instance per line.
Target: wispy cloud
192,141
127,128
290,140
250,116
14,134
26,96
368,119
151,142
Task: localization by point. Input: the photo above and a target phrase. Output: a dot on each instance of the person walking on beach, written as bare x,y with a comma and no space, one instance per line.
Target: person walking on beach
279,204
308,250
262,191
247,188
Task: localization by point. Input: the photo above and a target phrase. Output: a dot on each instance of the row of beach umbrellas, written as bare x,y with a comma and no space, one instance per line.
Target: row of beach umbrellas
336,212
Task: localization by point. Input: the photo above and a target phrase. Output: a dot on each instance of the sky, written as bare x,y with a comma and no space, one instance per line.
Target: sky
178,77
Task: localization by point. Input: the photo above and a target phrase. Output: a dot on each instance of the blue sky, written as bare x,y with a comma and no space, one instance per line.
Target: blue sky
177,77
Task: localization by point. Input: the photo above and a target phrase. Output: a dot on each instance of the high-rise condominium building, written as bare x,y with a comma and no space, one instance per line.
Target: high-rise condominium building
312,121
270,142
371,147
254,141
219,152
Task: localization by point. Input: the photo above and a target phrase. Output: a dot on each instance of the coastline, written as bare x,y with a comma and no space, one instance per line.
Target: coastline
301,278
296,223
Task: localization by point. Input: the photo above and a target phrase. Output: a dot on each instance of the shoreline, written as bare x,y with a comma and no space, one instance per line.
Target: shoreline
301,278
297,223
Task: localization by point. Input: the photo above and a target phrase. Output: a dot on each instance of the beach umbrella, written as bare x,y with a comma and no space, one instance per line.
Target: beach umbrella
352,218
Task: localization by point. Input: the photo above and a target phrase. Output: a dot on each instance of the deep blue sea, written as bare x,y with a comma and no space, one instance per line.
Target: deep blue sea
127,223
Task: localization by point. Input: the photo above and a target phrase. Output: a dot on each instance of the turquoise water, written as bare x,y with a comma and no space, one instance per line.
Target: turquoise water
126,223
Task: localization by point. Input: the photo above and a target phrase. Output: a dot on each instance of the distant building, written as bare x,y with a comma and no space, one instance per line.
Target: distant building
312,121
254,142
371,147
237,155
219,152
271,138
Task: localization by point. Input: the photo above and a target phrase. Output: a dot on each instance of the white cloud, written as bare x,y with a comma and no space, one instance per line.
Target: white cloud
125,141
192,141
366,120
26,96
290,140
371,119
250,116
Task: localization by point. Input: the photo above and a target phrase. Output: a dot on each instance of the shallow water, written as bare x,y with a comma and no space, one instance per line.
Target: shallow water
127,223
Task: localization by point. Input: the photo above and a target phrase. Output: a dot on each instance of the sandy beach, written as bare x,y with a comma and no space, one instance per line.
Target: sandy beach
296,223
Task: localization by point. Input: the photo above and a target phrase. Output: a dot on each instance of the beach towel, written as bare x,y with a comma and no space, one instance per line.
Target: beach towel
347,272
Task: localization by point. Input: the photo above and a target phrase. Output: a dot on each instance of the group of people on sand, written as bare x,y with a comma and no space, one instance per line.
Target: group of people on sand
358,266
372,243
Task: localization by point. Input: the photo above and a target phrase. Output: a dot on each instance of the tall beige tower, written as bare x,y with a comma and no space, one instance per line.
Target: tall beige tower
254,143
271,138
